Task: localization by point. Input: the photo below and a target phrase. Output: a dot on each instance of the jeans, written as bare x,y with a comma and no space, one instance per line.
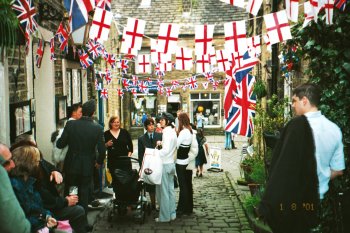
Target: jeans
227,140
184,177
75,215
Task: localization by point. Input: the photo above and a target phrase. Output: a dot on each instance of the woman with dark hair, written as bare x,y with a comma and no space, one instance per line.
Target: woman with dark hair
165,191
118,143
27,159
203,151
184,141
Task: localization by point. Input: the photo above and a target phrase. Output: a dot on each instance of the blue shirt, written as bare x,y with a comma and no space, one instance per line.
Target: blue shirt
328,148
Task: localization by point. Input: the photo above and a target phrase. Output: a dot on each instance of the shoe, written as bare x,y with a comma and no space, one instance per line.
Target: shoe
201,175
173,218
234,148
157,220
89,228
196,173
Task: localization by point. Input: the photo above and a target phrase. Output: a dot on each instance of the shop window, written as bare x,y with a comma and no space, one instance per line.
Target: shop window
209,107
195,96
142,107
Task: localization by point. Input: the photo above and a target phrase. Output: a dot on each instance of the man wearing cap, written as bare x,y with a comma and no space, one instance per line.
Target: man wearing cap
12,218
82,136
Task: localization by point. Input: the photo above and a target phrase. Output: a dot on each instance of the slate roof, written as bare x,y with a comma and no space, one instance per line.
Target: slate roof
170,11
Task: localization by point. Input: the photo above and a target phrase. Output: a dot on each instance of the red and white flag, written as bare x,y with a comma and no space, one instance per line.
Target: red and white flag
235,36
40,52
316,7
222,59
239,3
267,42
104,4
292,9
134,32
308,13
157,57
254,46
215,85
167,38
168,91
167,66
277,27
203,39
253,6
192,82
120,92
101,24
202,64
212,56
183,59
328,7
144,64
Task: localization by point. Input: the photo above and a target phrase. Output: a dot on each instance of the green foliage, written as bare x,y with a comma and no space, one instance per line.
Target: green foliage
8,25
327,49
258,174
251,202
260,89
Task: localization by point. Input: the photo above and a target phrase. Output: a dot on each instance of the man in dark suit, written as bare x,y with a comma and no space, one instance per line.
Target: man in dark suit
82,136
149,140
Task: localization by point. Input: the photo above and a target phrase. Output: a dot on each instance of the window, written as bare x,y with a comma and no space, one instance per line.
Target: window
206,106
142,107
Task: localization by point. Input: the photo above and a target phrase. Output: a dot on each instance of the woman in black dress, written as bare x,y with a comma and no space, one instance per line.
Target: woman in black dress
118,143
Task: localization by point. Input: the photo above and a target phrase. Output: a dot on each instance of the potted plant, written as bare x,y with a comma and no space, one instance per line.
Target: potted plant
251,203
8,24
257,176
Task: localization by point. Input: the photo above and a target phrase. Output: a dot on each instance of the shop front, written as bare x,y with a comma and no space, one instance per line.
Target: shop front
208,106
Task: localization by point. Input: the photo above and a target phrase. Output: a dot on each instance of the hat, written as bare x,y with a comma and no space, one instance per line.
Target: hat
168,116
89,107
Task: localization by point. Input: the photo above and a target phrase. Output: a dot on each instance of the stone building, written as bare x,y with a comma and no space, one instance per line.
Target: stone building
187,13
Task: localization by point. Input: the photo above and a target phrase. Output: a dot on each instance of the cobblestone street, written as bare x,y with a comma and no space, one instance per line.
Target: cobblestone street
216,207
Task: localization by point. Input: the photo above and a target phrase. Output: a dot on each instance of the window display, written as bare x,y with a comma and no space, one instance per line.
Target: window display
142,107
206,106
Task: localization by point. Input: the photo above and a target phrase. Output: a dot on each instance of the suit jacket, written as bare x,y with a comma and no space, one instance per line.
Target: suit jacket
82,136
145,142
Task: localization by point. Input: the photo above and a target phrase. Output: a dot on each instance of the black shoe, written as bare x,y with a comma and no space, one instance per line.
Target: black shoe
234,147
89,228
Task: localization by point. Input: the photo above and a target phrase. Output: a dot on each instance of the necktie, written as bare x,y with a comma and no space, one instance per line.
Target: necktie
151,138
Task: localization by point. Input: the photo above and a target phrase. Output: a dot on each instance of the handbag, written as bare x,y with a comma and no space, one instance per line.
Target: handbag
152,167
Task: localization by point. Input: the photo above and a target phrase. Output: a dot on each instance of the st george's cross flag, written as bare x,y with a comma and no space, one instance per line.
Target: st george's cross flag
144,64
26,14
240,118
328,7
162,67
85,60
292,9
239,3
267,42
104,4
125,48
134,32
222,60
316,7
203,39
277,27
101,24
212,56
308,13
167,37
253,6
78,12
254,46
203,64
235,36
39,53
183,59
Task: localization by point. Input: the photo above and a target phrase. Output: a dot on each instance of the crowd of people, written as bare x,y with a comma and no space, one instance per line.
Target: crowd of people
308,155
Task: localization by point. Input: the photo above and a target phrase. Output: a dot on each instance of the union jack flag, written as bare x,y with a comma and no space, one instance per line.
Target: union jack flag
135,80
242,65
159,73
108,76
160,84
120,92
26,14
174,84
168,91
85,60
94,48
240,119
104,4
215,85
230,91
126,83
340,4
62,35
134,92
123,64
98,86
104,93
39,53
143,87
52,49
192,82
161,91
110,58
210,77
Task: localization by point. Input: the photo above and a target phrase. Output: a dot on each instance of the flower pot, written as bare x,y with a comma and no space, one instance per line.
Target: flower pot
254,189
